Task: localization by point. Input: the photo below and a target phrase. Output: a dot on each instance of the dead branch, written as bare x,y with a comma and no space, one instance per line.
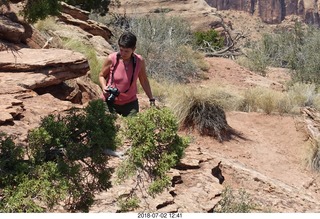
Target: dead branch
231,48
9,48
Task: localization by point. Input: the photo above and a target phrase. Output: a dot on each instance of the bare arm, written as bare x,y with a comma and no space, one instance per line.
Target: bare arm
144,80
105,73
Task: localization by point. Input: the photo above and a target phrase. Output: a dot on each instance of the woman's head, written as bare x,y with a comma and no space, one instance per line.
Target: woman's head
127,44
127,40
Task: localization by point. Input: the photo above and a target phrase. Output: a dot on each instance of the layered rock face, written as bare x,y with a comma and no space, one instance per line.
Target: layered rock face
273,11
37,79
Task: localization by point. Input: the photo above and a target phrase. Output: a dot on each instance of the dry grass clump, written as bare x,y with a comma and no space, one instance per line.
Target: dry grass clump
209,119
250,101
94,63
200,109
313,155
303,94
267,100
261,99
48,24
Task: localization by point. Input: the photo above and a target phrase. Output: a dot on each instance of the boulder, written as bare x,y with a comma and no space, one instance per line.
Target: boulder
34,68
10,30
26,70
90,26
75,12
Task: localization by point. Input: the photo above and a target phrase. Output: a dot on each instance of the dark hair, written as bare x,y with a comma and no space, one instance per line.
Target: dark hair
127,40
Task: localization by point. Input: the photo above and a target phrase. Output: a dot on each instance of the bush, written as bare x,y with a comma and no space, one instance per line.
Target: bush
308,61
234,203
156,147
257,60
279,49
11,158
39,9
303,94
208,40
24,186
296,48
66,162
127,204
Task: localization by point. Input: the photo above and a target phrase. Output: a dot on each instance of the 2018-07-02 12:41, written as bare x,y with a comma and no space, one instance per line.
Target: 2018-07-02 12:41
159,215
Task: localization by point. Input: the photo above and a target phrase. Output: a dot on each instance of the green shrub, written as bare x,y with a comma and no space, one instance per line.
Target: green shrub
156,147
307,63
39,9
208,40
257,60
24,186
66,162
279,49
36,191
11,157
127,204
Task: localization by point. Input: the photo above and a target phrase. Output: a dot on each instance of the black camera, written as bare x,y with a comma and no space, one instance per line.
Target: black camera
113,93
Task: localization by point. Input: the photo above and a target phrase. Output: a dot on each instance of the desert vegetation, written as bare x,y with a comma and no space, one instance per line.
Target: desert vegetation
65,160
33,11
155,149
232,202
296,50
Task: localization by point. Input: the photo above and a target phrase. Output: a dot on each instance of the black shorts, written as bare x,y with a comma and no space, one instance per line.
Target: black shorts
128,109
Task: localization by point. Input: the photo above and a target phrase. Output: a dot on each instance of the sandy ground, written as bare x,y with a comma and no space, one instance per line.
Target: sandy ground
271,163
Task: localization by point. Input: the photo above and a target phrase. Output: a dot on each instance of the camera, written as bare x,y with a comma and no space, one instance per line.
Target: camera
113,93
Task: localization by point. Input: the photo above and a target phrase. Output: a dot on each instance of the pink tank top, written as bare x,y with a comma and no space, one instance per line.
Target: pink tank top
122,79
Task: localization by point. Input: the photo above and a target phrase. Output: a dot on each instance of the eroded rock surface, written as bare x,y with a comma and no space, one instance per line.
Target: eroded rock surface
273,12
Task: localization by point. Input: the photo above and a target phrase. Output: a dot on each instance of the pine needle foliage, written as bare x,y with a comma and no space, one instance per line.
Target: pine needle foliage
208,39
39,9
66,162
24,186
156,147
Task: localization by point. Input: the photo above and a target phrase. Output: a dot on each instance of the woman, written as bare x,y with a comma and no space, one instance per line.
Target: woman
119,75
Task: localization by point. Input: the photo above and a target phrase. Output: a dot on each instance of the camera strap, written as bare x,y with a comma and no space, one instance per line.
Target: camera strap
134,61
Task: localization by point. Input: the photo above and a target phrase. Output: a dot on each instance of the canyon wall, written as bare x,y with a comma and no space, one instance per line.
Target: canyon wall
273,11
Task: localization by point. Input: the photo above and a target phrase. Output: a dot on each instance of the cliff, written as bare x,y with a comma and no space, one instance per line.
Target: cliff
273,11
